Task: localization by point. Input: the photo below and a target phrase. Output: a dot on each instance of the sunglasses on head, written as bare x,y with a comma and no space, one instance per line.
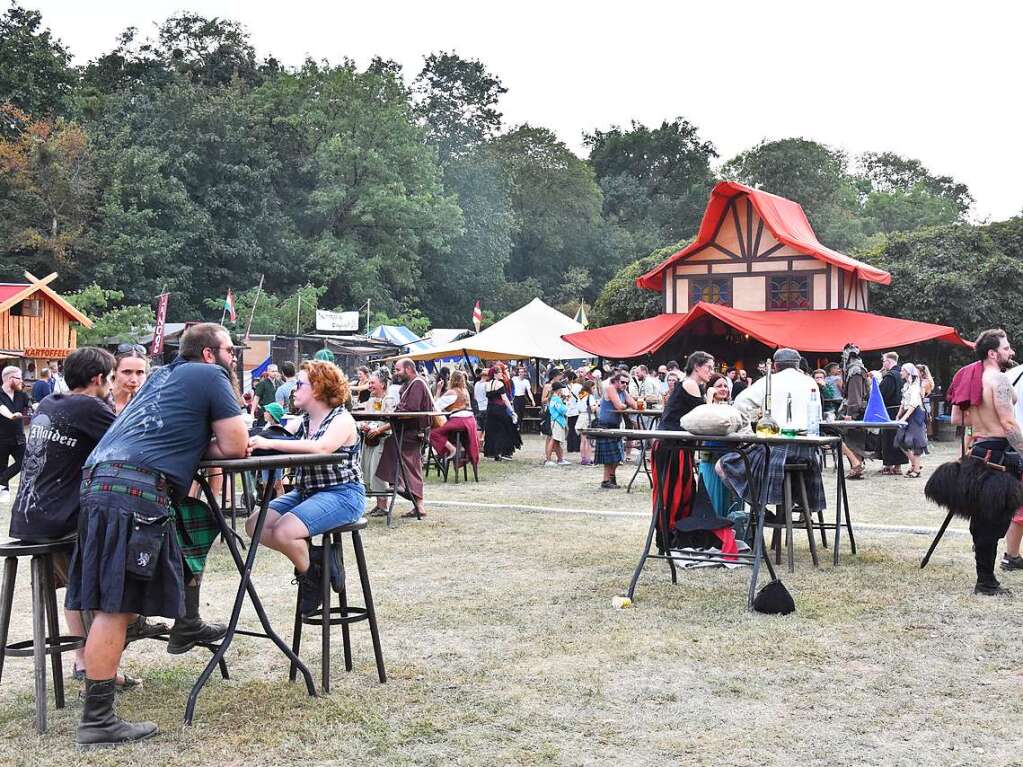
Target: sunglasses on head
128,347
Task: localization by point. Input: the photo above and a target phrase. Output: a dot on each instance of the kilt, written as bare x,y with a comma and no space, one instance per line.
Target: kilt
196,530
99,579
735,473
608,450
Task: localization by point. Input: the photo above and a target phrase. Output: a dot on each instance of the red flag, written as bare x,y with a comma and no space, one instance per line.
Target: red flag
161,322
229,306
477,316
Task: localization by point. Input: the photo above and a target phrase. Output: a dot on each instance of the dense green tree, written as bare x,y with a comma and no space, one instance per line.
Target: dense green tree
557,206
930,283
47,191
35,68
112,320
655,180
457,99
622,301
367,194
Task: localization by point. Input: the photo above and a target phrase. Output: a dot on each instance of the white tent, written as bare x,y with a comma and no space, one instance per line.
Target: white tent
535,330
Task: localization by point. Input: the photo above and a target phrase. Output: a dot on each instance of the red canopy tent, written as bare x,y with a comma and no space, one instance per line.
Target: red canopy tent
810,331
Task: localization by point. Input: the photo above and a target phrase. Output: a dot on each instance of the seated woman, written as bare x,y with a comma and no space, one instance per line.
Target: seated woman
455,402
374,433
324,497
720,496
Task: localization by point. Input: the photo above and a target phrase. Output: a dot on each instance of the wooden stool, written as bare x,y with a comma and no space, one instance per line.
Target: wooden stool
344,614
44,641
795,472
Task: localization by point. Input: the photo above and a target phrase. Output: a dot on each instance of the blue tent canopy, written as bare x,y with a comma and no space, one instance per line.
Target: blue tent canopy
399,335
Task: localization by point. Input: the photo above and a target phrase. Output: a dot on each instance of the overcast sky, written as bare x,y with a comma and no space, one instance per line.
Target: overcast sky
933,80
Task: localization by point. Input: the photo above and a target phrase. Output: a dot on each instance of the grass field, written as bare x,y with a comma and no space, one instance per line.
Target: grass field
502,648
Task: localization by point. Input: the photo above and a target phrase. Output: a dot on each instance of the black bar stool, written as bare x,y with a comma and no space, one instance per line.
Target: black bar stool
459,443
795,475
45,640
344,614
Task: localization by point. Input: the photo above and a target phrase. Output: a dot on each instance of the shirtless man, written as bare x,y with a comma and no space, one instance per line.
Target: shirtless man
998,440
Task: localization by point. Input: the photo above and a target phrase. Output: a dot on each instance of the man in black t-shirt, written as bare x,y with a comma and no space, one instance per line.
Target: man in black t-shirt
13,408
64,430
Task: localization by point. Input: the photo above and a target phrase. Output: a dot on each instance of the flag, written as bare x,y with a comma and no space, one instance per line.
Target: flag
156,348
580,316
229,306
876,411
477,316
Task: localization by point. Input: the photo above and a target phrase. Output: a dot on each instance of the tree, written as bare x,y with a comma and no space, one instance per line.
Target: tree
655,181
474,265
109,321
275,314
457,99
557,205
47,187
812,174
622,301
367,197
930,283
35,68
900,194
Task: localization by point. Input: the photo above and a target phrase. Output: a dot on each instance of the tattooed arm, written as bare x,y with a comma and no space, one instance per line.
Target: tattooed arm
1004,402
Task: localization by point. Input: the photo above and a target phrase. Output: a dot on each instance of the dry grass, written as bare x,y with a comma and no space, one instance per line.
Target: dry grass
502,648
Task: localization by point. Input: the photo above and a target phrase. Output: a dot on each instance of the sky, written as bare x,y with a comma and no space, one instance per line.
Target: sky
938,81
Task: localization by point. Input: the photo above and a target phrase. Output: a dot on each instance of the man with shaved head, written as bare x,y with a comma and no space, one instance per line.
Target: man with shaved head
415,398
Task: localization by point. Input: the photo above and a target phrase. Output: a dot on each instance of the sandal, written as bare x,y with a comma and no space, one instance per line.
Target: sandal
856,472
912,474
412,514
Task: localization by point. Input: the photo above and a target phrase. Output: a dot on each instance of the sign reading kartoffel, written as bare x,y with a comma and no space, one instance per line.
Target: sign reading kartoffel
337,322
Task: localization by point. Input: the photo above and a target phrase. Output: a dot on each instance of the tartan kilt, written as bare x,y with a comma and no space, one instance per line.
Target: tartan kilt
735,473
608,450
196,530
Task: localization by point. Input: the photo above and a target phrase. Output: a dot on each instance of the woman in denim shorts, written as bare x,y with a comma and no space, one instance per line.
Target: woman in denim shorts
324,497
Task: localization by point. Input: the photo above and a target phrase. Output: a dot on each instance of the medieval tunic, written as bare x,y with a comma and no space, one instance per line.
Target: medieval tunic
857,391
415,398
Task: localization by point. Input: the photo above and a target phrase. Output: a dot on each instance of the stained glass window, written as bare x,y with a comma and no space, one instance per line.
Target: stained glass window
788,291
710,291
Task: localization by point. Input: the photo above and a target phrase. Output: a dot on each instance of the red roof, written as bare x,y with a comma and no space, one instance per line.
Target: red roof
784,218
826,330
8,289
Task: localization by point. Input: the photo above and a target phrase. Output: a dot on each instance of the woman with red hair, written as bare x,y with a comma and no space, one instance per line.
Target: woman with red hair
324,497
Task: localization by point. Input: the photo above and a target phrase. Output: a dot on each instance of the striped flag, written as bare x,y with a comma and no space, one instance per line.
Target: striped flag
229,306
477,316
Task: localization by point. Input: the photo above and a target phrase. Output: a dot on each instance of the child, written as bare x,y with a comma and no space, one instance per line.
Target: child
559,426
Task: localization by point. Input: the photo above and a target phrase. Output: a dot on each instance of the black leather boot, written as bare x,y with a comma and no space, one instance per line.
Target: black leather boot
100,726
190,630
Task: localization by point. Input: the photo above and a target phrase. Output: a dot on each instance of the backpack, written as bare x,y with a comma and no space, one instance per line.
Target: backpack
545,421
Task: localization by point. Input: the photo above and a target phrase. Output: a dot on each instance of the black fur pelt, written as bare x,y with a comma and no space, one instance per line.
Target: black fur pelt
970,489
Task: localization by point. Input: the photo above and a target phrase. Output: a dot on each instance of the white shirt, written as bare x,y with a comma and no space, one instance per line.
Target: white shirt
394,392
790,381
448,398
479,391
521,386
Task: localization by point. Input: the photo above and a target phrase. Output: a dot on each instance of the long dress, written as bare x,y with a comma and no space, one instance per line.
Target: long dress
501,438
674,476
415,398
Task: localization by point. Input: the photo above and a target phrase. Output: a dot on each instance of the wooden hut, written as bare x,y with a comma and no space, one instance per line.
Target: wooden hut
35,322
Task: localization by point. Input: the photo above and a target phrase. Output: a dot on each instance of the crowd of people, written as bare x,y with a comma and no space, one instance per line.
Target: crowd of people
112,446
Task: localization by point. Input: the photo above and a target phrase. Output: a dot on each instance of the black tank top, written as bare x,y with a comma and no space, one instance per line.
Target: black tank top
679,403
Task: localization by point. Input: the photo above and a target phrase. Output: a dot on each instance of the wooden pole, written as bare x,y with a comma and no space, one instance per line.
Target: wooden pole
252,314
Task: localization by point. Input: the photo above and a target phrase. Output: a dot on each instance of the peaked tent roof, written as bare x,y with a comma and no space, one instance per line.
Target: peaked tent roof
784,218
535,330
826,330
396,335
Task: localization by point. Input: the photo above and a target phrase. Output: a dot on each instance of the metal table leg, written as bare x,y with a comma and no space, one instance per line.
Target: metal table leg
245,586
760,509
